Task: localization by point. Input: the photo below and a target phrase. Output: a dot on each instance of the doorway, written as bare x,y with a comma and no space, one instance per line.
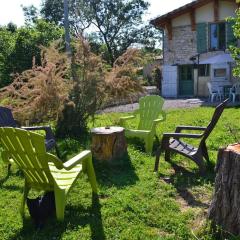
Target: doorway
186,80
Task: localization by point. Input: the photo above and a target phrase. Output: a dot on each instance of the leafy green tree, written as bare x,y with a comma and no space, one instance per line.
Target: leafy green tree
79,14
7,45
11,27
117,24
235,50
31,14
18,48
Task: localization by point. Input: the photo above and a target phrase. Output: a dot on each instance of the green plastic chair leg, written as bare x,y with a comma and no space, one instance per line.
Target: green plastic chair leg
88,168
148,144
25,194
60,202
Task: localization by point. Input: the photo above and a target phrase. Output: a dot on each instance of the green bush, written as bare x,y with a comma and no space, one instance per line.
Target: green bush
17,48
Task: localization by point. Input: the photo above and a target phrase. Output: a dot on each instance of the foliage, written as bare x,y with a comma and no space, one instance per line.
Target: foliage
87,93
157,76
11,27
31,14
94,86
123,80
118,23
20,46
79,15
235,50
134,203
7,45
38,94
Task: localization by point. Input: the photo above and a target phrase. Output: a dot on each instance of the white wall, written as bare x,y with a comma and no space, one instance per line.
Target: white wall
169,81
226,9
182,20
204,13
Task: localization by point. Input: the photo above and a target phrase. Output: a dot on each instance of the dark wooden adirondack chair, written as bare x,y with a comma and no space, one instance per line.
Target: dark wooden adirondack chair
7,120
171,141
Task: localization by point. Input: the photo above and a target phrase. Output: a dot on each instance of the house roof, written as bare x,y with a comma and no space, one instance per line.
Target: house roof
161,20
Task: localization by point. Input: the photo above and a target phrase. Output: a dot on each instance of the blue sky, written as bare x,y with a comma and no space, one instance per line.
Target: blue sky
11,11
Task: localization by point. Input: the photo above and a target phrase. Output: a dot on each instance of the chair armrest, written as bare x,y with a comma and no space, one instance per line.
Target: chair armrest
77,159
131,116
127,117
181,135
57,162
157,120
47,129
123,119
180,128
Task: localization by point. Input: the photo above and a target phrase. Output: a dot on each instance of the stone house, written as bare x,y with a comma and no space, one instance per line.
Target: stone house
196,38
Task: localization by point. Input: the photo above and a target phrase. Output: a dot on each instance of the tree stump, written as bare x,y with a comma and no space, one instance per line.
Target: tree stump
224,210
108,143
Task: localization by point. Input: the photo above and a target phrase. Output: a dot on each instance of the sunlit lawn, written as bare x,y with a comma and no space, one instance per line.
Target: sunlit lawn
134,203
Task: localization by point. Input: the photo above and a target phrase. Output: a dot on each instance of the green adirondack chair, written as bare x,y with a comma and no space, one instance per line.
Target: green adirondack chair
42,170
150,109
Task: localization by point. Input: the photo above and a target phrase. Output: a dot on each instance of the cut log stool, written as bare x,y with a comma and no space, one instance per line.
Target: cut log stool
225,206
108,143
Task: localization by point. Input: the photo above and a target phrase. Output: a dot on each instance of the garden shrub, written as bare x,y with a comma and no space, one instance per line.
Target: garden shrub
38,94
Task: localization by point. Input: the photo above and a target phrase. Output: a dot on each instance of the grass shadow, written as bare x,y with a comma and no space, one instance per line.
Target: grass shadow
75,217
183,179
4,179
138,144
5,185
119,172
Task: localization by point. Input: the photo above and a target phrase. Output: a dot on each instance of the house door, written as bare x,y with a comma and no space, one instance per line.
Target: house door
186,81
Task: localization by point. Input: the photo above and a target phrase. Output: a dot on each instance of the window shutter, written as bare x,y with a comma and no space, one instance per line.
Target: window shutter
231,40
201,37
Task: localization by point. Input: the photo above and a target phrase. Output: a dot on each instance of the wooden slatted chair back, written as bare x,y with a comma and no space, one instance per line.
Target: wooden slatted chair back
28,151
6,118
216,115
150,108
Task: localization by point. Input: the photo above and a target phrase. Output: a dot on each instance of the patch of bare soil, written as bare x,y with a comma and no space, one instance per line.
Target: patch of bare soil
197,201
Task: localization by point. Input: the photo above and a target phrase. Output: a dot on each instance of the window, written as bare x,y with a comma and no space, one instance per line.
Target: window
217,36
203,70
221,72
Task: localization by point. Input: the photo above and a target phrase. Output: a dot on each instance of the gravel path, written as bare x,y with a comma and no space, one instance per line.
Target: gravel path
168,104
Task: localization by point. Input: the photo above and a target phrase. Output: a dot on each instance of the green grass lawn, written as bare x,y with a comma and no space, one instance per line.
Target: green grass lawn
134,202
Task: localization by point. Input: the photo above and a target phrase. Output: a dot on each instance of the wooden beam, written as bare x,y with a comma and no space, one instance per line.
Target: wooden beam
169,28
193,20
161,21
216,10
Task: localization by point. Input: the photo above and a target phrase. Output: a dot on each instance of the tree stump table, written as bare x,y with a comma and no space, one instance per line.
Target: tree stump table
108,143
224,210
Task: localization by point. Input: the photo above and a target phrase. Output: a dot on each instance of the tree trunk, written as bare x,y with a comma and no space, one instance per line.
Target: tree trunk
108,144
66,26
225,207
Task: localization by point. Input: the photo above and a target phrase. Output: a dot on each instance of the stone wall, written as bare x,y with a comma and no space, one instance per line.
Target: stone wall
178,51
182,46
